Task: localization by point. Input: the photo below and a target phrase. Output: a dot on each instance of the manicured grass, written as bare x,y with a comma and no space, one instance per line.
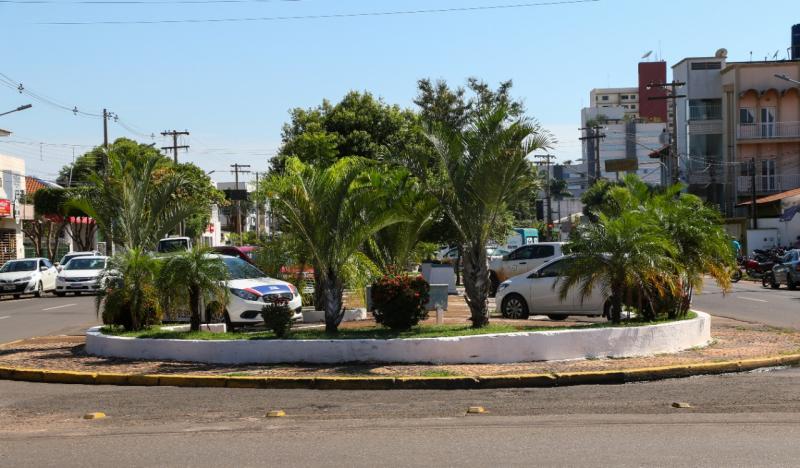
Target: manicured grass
423,331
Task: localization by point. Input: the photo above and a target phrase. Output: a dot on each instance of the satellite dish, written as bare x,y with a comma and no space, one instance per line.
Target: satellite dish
721,53
649,52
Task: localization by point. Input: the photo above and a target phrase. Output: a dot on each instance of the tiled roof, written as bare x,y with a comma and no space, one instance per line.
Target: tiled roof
774,198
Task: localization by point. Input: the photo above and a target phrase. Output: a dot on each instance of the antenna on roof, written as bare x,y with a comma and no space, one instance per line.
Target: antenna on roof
775,56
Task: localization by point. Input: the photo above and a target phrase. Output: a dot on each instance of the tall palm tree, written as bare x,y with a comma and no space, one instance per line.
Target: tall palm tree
334,210
623,256
192,275
134,199
476,172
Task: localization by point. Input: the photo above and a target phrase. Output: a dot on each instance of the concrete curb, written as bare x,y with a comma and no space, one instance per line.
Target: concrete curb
561,379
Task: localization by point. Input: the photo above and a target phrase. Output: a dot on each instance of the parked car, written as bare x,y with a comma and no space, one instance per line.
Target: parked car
81,275
66,258
250,289
494,253
174,244
787,270
245,252
522,260
28,276
533,293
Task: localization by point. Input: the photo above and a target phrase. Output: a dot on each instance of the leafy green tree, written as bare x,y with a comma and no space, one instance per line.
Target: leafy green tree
620,255
192,276
334,210
477,171
359,125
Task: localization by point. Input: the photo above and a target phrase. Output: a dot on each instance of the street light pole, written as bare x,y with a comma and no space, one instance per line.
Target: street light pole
20,108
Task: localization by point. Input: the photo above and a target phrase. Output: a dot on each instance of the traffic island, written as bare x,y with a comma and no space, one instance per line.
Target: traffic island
738,346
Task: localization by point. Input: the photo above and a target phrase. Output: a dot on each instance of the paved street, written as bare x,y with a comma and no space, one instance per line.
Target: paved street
750,302
50,315
736,420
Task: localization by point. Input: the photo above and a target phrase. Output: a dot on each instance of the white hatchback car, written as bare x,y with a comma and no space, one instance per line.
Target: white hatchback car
27,276
80,275
537,293
250,289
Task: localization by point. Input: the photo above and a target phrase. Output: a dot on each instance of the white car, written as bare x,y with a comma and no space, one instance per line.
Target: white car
81,275
522,260
27,276
537,293
250,289
66,258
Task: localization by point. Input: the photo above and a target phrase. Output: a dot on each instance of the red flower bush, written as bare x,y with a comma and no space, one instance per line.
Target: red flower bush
399,301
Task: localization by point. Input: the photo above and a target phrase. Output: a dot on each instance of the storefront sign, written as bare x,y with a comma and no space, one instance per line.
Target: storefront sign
5,208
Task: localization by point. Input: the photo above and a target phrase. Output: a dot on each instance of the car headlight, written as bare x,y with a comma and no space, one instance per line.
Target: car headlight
504,285
59,279
244,294
23,280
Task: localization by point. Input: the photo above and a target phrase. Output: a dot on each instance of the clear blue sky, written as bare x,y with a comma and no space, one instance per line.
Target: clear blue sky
231,83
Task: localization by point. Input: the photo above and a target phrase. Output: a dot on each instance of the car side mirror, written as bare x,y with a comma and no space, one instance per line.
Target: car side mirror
44,268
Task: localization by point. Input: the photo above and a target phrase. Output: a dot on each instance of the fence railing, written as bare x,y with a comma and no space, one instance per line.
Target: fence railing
768,184
769,130
705,112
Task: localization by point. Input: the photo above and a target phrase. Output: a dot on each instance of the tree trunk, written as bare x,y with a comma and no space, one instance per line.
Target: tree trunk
332,301
476,284
458,265
194,305
616,307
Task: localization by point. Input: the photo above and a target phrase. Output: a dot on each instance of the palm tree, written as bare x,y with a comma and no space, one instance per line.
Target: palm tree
476,172
129,294
193,275
625,256
334,210
135,199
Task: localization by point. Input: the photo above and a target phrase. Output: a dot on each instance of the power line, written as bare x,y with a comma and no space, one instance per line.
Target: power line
140,2
326,16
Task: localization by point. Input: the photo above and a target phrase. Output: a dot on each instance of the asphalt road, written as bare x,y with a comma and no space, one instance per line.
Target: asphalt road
49,315
736,420
750,302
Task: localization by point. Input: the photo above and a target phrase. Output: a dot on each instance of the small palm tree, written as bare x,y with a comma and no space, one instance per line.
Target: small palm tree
194,275
476,172
623,256
334,210
128,297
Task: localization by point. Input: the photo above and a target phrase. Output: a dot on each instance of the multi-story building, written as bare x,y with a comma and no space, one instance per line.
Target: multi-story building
633,122
12,188
700,127
761,130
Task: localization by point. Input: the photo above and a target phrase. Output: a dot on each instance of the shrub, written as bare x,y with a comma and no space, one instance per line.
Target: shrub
278,318
118,310
399,301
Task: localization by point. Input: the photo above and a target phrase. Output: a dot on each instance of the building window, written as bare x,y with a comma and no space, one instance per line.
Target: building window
747,116
605,98
768,174
705,109
706,66
633,106
624,96
633,96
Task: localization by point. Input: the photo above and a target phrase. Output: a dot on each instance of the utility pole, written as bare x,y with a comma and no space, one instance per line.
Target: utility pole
237,169
174,147
258,204
105,129
672,96
547,158
595,136
754,208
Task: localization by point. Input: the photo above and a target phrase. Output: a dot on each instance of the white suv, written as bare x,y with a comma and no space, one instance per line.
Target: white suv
522,260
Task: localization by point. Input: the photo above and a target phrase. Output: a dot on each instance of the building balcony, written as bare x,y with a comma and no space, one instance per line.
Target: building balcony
769,131
705,112
767,184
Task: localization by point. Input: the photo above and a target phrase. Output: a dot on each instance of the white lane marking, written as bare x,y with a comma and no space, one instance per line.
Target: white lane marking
7,316
751,299
59,307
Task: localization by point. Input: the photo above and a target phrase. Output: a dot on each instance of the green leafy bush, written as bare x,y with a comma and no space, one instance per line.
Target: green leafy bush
118,308
278,318
399,301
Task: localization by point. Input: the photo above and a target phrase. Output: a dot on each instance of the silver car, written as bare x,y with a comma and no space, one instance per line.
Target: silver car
788,270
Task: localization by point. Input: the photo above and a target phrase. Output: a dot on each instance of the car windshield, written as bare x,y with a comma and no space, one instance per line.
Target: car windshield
68,258
239,269
86,264
172,245
24,265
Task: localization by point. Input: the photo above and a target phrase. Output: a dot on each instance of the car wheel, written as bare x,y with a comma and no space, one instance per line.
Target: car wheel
557,318
514,307
790,283
767,280
61,294
229,326
39,290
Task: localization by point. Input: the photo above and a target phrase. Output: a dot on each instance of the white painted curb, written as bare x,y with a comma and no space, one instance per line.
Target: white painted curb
479,349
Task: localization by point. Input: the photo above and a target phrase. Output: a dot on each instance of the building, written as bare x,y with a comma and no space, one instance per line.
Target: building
624,126
761,128
12,188
252,219
700,127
